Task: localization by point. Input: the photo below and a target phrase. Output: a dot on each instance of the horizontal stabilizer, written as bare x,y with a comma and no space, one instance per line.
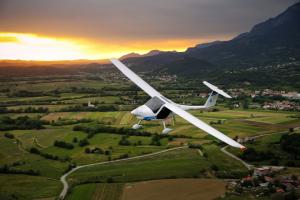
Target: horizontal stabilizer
216,89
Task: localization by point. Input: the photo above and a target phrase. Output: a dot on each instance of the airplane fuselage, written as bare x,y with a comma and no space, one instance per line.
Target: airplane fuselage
152,110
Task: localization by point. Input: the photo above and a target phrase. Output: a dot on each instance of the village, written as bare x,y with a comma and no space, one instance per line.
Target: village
266,180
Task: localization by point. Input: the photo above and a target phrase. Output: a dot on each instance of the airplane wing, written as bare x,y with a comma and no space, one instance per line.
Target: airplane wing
205,127
216,89
173,107
135,78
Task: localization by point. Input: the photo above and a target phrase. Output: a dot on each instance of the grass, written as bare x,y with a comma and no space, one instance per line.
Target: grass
187,188
45,137
103,191
104,141
231,126
11,152
182,163
224,162
268,143
29,187
175,164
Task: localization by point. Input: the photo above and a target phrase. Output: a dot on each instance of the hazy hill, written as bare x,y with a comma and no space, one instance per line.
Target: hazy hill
276,40
136,55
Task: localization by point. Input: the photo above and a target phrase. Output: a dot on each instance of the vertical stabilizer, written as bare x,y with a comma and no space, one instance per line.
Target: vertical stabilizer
212,99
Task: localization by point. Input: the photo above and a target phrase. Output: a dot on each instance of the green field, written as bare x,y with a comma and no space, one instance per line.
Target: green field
28,187
103,191
175,164
62,92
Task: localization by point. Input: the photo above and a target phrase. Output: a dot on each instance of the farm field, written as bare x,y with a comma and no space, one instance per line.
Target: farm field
180,163
60,105
103,191
192,189
28,187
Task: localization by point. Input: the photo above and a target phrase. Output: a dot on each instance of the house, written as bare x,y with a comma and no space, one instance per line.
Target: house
91,105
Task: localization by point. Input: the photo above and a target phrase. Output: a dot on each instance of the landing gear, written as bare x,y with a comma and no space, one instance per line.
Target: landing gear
166,130
137,126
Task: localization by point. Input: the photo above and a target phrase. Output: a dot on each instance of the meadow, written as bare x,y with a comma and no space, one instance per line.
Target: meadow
34,150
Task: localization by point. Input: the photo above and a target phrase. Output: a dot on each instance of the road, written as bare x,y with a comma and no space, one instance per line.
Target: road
248,166
254,137
63,178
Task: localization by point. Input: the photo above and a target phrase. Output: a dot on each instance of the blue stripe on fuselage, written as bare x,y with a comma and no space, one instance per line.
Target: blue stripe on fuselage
149,118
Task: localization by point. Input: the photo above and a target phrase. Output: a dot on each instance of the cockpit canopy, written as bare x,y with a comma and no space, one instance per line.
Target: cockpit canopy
154,104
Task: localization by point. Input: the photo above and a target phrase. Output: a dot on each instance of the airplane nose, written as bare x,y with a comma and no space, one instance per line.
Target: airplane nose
134,112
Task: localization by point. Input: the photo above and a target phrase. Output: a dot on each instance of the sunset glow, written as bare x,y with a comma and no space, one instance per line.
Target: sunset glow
24,46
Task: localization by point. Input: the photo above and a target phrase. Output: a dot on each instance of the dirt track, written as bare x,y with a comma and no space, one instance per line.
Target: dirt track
174,189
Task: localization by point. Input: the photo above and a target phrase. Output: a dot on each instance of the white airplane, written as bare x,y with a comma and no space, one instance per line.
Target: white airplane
161,108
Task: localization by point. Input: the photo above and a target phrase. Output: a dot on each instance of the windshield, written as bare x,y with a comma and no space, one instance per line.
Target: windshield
154,104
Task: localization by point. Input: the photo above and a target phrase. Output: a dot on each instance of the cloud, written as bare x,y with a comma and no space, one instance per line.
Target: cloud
5,39
137,20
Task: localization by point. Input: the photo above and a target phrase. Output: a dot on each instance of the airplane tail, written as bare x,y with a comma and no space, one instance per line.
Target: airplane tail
212,99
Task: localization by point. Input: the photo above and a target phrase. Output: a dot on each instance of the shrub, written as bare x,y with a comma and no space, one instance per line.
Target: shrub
9,135
83,142
63,144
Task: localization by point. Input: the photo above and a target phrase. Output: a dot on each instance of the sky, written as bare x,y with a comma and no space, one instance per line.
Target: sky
97,29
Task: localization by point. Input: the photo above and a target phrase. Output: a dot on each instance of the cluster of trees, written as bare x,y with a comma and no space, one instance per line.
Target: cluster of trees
262,99
91,130
252,155
95,150
47,155
237,174
66,145
62,122
23,123
63,144
83,142
217,122
123,156
24,110
79,108
195,146
156,140
291,144
9,135
25,93
6,169
124,141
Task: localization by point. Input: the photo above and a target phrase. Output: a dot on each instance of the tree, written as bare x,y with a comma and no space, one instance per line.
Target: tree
63,144
155,140
87,150
9,135
214,167
75,140
124,141
83,142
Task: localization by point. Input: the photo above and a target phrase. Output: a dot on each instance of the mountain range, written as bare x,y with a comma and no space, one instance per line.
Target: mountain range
266,56
273,42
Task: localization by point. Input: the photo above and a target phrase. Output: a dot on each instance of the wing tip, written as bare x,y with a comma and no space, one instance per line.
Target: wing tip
242,148
113,59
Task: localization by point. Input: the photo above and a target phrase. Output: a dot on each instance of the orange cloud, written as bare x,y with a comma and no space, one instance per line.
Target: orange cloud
24,46
8,39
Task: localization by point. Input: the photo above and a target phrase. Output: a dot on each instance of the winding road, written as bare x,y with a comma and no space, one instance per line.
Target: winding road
248,166
63,178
